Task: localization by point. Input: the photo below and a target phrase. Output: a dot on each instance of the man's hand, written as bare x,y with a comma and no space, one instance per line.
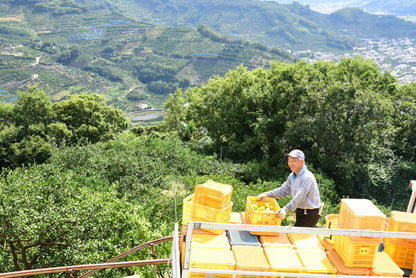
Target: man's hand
281,213
262,196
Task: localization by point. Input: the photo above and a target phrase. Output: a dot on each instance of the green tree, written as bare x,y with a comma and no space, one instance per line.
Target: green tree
23,138
340,114
32,127
88,118
52,216
343,120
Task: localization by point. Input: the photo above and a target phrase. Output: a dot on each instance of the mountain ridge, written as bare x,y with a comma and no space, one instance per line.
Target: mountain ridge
292,26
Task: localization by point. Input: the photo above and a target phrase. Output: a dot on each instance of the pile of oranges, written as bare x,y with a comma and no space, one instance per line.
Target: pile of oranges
265,207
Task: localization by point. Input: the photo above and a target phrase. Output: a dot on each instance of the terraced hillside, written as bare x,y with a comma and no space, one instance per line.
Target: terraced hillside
67,49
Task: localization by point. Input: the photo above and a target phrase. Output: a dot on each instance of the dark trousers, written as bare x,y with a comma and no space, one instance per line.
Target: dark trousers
307,217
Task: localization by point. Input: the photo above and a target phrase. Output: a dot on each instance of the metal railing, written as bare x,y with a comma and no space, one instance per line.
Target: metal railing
186,270
175,259
93,268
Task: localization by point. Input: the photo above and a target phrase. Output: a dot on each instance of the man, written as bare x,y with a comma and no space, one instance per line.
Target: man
301,184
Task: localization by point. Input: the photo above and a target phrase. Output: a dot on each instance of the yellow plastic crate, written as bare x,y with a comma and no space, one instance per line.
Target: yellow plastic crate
257,217
195,212
283,259
208,241
213,194
315,261
342,269
385,266
356,252
403,222
305,241
331,222
402,254
211,258
280,240
361,214
250,258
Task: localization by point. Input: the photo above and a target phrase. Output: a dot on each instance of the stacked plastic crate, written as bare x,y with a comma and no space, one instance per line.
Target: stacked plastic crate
211,202
401,250
210,249
359,214
332,222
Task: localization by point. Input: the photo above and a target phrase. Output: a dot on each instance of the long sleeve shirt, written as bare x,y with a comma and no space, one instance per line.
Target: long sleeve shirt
302,187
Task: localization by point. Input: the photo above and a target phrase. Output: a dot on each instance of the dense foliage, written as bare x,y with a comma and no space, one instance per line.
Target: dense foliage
349,118
90,203
33,126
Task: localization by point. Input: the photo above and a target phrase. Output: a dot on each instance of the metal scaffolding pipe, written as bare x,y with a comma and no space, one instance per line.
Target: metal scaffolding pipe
71,269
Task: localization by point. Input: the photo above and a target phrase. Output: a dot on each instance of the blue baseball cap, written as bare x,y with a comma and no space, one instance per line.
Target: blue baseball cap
296,153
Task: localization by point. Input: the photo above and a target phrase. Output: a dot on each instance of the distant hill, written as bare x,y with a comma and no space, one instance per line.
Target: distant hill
292,26
391,7
67,47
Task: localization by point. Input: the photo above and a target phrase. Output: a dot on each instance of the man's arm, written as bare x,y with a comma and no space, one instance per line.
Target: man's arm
281,191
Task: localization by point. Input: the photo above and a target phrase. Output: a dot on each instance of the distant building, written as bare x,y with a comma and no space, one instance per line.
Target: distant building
142,106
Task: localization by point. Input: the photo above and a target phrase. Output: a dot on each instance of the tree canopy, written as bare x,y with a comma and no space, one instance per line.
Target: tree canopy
33,126
351,120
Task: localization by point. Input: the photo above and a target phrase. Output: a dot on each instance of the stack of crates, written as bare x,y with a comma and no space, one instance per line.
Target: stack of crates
401,250
359,214
262,213
211,202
